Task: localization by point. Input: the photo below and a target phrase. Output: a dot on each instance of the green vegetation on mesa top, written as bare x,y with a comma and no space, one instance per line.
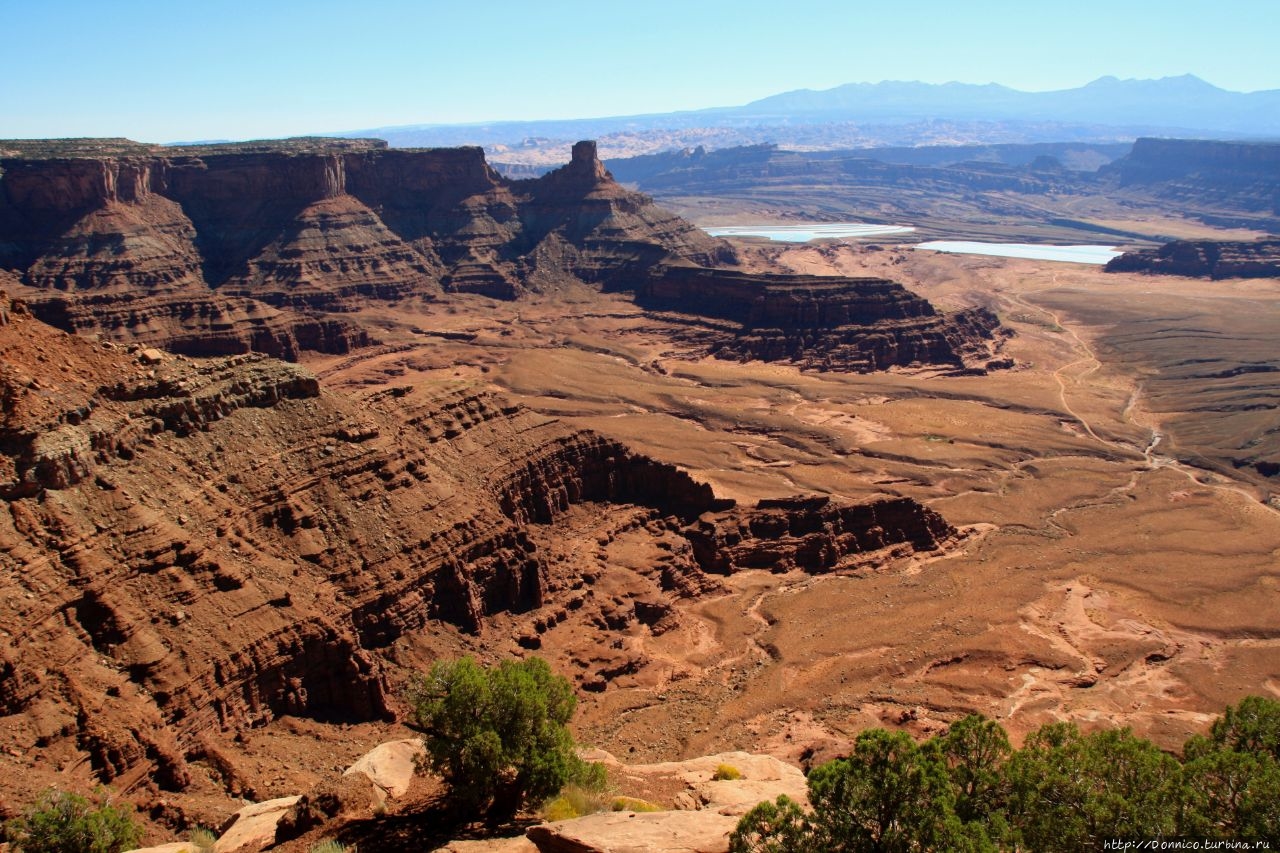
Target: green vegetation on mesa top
969,790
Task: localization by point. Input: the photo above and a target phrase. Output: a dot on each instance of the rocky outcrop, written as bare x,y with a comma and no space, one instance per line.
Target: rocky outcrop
1228,183
585,467
333,256
1204,259
253,828
193,321
182,249
116,260
818,322
56,444
193,547
705,812
391,766
180,246
814,534
616,233
636,832
144,244
760,778
347,797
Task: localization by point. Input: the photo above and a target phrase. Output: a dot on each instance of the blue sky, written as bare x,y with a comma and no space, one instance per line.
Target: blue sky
166,71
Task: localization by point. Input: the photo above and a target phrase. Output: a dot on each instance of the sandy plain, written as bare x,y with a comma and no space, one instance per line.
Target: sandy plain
1101,578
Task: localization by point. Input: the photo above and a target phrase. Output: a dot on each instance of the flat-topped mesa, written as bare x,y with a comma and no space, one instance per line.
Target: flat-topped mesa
47,181
1232,184
240,198
789,302
1235,164
819,322
1205,259
308,225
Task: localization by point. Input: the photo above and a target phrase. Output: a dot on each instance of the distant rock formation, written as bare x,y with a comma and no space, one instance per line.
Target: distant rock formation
1205,259
229,248
1230,184
753,169
1233,184
819,322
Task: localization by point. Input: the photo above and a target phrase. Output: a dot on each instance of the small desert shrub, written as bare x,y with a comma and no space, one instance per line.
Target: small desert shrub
583,795
726,772
632,804
574,801
202,840
561,808
331,846
589,775
60,822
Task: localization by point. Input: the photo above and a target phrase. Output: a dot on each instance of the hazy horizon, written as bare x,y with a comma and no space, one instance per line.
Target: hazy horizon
160,73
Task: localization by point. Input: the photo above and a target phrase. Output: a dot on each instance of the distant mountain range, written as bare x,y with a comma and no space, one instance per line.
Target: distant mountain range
890,113
1176,102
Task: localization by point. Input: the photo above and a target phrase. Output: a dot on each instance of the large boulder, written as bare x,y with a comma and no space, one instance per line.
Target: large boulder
253,828
520,844
632,832
391,765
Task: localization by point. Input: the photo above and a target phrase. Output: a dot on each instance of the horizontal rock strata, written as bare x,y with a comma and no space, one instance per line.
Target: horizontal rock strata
194,546
179,246
814,534
825,323
1241,179
1205,259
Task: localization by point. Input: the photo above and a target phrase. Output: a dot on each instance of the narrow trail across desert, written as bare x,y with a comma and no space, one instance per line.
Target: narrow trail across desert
1148,452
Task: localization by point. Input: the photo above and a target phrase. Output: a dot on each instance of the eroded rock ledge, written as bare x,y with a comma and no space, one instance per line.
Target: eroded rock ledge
815,534
819,322
1205,259
214,250
192,547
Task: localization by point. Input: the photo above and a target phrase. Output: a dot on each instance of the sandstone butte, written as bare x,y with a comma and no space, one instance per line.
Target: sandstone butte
219,250
200,538
1205,259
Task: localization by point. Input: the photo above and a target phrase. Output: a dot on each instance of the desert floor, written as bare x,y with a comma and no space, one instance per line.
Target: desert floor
1101,578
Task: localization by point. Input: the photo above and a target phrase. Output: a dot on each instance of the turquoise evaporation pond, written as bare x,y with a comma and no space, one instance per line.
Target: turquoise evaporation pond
1068,254
806,231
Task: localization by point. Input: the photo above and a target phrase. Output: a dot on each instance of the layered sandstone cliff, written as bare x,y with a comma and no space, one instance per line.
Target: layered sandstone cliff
215,250
813,533
187,247
190,547
819,322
